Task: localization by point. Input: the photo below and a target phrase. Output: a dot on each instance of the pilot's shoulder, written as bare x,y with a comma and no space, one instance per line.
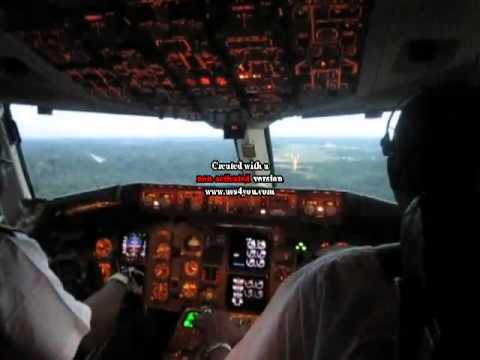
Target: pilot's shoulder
9,234
346,264
18,238
347,256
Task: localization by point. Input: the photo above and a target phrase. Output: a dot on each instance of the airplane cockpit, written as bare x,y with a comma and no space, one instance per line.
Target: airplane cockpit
227,252
227,233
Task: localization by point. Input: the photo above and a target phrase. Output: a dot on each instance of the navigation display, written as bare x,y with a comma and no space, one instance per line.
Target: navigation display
249,251
134,246
247,293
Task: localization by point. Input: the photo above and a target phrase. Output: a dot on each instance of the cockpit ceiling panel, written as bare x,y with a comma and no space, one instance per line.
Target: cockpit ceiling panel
251,59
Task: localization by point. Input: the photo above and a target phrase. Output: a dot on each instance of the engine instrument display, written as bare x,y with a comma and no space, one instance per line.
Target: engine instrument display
103,248
249,251
163,251
247,293
134,246
161,270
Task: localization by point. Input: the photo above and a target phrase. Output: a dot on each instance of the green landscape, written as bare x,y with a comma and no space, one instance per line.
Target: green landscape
355,165
62,166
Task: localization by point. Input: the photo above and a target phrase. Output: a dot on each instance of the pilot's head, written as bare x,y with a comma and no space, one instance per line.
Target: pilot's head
435,146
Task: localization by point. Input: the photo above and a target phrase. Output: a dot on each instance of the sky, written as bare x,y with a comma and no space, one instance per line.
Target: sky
67,124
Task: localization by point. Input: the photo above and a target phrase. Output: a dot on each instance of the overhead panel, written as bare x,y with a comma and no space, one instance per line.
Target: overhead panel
202,59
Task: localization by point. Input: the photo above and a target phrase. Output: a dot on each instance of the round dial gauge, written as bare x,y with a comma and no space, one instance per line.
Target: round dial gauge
160,292
192,244
103,248
163,251
189,290
161,270
191,268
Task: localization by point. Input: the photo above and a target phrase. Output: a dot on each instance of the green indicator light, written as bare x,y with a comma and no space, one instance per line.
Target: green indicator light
190,319
301,246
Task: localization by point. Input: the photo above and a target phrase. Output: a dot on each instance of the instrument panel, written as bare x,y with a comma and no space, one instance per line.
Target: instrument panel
212,60
231,264
227,267
230,253
231,267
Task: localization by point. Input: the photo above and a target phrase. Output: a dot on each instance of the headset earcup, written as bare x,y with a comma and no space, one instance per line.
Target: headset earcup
392,171
386,144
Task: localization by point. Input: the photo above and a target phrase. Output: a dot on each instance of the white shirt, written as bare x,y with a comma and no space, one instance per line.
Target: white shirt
36,314
338,307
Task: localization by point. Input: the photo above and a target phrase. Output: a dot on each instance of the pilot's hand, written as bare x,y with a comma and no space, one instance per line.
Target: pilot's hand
132,278
136,280
216,327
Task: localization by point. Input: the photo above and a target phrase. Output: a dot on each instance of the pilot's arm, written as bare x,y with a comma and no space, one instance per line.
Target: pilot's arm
337,307
38,318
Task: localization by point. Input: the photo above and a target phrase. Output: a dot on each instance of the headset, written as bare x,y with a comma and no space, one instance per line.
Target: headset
389,148
387,143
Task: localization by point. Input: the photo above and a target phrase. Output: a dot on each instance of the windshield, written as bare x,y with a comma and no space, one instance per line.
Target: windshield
341,153
70,152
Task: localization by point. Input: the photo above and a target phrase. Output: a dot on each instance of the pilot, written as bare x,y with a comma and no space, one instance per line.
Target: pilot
345,305
39,320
